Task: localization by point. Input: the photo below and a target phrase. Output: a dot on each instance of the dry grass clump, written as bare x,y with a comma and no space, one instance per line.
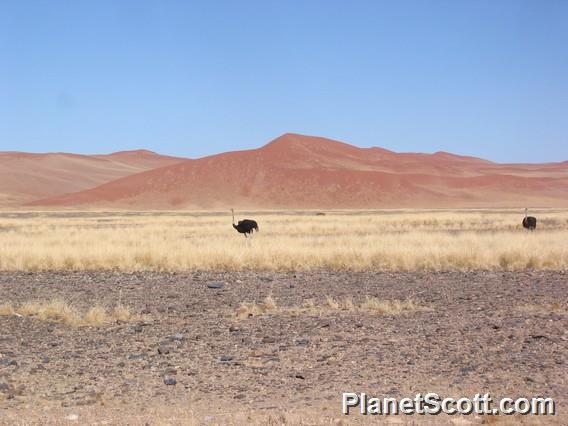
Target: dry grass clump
388,307
60,311
556,307
352,240
371,305
252,309
6,309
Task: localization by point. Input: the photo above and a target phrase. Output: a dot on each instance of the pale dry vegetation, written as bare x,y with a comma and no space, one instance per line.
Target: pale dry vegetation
370,305
376,240
60,311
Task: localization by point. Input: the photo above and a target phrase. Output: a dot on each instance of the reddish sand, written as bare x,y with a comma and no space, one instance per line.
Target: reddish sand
295,171
26,177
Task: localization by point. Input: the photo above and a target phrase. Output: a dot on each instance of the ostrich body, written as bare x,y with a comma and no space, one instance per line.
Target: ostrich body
529,222
245,226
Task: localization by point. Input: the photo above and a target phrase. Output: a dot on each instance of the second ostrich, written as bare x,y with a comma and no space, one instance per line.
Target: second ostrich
529,222
245,226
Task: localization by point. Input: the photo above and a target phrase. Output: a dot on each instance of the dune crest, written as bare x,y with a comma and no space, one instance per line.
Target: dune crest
298,171
25,177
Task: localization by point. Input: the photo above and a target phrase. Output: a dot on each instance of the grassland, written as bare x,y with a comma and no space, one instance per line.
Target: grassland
364,240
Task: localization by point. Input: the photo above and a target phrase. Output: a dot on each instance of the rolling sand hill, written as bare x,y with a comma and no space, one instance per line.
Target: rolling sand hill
296,171
26,177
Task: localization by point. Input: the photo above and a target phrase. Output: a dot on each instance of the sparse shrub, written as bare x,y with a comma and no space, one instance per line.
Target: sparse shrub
6,309
60,311
331,302
387,307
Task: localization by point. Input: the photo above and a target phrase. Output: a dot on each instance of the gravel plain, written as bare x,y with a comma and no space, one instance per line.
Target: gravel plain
505,333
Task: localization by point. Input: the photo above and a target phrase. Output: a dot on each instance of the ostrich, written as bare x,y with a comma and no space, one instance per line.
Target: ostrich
529,222
245,226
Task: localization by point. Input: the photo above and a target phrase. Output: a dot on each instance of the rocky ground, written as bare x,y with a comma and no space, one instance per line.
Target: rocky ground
505,333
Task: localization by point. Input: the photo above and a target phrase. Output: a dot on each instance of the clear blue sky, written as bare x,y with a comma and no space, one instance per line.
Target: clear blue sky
480,77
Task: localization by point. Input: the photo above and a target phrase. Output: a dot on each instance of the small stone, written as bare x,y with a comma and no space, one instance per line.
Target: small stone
226,358
268,339
169,381
137,356
163,350
176,337
299,376
7,361
216,285
72,417
4,387
302,342
170,371
233,328
138,328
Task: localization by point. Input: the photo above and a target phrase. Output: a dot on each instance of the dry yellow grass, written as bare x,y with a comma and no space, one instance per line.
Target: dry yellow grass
370,305
60,311
382,240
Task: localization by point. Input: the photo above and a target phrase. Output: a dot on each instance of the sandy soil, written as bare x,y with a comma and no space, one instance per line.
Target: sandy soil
478,332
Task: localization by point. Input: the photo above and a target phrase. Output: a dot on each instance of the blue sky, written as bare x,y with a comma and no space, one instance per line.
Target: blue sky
191,78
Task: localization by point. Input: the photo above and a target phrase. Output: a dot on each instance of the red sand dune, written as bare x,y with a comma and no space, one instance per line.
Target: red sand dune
26,177
296,171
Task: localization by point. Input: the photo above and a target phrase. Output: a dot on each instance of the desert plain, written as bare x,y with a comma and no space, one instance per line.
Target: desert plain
162,317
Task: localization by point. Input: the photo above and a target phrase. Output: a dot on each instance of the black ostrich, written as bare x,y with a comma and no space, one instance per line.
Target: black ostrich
529,222
245,226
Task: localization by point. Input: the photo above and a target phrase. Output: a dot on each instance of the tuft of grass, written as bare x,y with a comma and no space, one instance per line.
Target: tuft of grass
269,304
251,309
60,311
6,310
556,307
388,307
331,303
371,305
121,313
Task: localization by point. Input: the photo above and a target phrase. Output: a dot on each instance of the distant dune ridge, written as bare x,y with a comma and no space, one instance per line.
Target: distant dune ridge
297,171
26,177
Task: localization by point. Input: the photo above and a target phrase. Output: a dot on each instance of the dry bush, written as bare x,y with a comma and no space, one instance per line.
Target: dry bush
247,310
556,307
388,307
60,311
371,305
6,309
366,240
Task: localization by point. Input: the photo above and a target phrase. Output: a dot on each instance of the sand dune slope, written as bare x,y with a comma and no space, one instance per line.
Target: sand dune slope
26,177
296,171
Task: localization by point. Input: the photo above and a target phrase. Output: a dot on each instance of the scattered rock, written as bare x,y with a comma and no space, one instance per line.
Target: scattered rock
216,285
234,328
225,359
169,381
176,337
163,350
8,361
